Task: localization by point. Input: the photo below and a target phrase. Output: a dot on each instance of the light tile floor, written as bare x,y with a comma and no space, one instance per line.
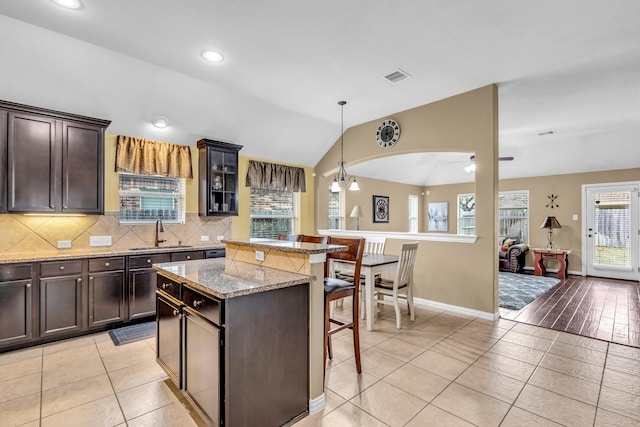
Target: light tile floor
441,370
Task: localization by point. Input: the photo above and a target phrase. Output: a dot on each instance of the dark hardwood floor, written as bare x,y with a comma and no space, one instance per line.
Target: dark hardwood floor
600,308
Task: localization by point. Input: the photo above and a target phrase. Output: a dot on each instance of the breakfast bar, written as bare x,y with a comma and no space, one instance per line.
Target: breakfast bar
258,316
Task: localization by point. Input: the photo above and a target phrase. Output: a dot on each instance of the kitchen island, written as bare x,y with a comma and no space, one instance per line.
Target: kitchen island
233,337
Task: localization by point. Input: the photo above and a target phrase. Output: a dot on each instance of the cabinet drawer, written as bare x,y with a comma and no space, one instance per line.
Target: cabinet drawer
60,268
169,286
206,306
106,264
140,261
11,272
186,256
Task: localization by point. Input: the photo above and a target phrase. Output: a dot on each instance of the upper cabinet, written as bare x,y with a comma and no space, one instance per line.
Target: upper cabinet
54,161
218,177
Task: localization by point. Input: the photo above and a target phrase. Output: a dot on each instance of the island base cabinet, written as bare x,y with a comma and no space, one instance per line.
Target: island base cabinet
15,312
202,365
169,333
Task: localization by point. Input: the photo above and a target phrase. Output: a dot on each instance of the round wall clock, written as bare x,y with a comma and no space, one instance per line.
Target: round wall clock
388,133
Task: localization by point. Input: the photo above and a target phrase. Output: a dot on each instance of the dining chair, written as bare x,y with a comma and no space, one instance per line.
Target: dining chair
336,288
314,239
373,245
290,237
402,284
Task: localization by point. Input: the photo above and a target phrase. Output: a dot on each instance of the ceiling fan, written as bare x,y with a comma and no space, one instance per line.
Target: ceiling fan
472,166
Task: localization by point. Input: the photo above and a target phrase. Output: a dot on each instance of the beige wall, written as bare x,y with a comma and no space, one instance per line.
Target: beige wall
453,273
398,204
567,187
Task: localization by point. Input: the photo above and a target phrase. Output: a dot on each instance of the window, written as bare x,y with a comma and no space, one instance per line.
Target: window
413,214
144,199
335,210
466,214
272,213
513,214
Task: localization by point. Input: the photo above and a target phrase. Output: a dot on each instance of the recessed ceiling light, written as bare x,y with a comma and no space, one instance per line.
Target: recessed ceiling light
160,122
69,4
212,56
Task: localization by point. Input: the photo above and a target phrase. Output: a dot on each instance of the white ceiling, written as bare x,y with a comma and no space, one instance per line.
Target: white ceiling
571,66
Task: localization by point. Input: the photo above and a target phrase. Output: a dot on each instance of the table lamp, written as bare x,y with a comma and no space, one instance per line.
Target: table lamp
550,223
356,213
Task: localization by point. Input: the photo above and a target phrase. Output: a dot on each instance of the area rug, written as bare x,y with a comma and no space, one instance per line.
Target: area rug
518,290
133,333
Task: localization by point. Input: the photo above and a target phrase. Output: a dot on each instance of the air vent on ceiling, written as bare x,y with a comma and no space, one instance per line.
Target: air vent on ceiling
397,75
549,132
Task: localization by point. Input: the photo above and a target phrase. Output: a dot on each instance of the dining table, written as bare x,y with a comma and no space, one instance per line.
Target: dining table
372,265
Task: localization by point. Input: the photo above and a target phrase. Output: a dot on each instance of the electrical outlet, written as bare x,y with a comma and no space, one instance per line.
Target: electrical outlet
220,237
204,238
64,244
259,256
100,241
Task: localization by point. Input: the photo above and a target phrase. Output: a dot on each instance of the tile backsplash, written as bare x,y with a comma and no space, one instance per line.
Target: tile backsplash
33,234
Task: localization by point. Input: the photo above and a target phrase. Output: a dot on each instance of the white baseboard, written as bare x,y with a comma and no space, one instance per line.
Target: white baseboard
316,405
457,309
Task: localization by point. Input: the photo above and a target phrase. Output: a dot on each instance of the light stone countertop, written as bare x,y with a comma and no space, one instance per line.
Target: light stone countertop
99,252
225,278
287,246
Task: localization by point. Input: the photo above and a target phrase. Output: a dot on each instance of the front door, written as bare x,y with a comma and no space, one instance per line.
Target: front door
611,231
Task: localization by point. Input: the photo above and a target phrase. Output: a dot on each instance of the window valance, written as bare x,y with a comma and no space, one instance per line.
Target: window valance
273,176
147,157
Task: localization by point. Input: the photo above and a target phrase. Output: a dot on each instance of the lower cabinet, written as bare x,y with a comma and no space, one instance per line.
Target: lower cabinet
238,361
202,346
106,291
143,283
16,302
60,297
169,337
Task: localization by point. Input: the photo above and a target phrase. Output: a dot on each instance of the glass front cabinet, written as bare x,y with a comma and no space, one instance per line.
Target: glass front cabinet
218,178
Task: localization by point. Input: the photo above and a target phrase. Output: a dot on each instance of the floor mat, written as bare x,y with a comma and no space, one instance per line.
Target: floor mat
518,290
133,333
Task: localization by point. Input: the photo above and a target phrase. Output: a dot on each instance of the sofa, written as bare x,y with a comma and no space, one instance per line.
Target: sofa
511,254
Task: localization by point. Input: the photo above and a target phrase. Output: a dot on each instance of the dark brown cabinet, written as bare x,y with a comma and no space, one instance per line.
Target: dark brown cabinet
227,355
187,256
218,178
3,161
143,283
54,161
169,336
106,291
60,297
16,302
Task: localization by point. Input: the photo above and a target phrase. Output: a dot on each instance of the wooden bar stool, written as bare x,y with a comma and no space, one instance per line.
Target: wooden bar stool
314,239
335,288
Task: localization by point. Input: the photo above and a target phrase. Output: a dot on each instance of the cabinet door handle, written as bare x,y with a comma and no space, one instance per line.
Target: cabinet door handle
188,256
149,261
175,312
198,303
78,280
106,264
28,285
166,285
90,277
62,267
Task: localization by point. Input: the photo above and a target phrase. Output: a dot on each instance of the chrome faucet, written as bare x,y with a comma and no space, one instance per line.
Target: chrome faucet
159,229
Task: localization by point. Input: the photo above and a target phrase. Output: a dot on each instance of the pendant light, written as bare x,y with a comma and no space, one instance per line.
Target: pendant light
341,179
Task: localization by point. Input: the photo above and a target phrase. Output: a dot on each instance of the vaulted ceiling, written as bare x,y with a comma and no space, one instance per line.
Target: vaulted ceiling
571,67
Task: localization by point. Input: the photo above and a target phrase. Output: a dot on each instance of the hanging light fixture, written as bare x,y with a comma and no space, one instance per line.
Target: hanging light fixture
341,179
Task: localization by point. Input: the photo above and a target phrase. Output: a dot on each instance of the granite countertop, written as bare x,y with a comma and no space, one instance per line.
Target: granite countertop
99,252
287,246
225,278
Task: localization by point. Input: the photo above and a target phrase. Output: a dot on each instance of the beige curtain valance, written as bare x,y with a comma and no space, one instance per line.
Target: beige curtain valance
147,157
272,176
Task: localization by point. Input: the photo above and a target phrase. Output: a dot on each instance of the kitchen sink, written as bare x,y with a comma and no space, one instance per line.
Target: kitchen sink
149,248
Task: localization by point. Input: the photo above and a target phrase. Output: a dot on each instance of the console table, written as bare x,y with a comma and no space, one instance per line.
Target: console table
560,255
